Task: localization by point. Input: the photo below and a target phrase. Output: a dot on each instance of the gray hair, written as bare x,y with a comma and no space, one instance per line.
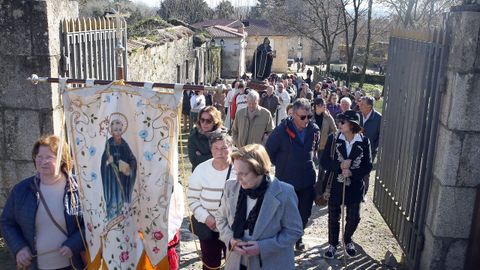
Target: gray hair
346,99
302,103
253,95
220,136
368,100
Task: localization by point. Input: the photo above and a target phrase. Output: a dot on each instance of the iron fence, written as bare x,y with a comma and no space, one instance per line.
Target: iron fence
414,77
88,48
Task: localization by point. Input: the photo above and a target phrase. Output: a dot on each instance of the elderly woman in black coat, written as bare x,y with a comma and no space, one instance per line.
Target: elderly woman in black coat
347,165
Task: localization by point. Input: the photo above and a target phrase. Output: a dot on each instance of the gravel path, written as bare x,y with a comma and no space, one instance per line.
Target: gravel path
373,239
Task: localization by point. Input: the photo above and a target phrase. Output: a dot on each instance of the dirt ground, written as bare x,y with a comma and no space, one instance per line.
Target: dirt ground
373,240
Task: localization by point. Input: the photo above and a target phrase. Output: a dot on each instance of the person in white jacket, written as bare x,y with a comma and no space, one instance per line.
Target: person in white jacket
284,99
197,102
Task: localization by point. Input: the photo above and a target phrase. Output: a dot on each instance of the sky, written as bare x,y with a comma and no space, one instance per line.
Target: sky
211,3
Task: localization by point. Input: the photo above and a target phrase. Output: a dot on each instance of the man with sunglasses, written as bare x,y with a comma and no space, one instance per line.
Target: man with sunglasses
292,147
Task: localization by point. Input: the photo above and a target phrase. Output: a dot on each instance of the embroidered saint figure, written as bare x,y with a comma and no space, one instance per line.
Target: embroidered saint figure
119,168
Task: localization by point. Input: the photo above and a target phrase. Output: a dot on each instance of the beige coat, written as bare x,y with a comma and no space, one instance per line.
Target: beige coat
246,131
328,127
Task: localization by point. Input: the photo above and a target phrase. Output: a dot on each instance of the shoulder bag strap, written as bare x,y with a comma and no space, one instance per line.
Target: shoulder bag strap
228,176
42,199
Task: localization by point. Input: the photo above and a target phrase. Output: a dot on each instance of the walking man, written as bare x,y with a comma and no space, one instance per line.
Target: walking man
291,147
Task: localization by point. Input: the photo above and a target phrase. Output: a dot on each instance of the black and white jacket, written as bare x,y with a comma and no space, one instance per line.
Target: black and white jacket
361,166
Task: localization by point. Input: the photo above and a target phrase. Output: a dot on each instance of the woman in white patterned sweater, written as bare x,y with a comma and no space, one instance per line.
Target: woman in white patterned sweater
204,193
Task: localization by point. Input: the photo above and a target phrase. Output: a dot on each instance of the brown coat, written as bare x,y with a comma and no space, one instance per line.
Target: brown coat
246,131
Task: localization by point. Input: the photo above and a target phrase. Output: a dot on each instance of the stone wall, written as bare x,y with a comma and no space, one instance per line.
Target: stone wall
161,63
456,173
29,43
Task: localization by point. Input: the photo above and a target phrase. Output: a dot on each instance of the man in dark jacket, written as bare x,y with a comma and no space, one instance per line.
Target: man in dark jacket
291,147
270,102
370,120
187,122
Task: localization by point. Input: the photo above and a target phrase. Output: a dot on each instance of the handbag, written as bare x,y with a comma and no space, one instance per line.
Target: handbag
200,229
322,199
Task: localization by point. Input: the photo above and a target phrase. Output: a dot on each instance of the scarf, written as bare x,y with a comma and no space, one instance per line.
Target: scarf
241,222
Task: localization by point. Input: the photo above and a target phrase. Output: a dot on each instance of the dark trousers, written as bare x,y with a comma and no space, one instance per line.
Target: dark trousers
193,119
212,252
321,171
352,220
305,202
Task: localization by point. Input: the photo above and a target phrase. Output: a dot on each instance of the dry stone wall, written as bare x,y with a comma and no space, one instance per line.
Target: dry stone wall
29,43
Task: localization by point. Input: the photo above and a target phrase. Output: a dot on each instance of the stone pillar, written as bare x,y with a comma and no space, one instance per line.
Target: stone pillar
456,172
29,43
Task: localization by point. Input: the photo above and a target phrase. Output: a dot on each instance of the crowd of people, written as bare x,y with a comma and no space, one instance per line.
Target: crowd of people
321,143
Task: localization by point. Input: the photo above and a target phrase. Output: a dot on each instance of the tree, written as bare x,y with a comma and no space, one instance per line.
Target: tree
317,20
351,26
224,10
189,11
418,13
264,7
137,11
369,39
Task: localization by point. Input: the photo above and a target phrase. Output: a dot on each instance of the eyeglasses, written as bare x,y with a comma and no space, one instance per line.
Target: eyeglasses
206,121
303,117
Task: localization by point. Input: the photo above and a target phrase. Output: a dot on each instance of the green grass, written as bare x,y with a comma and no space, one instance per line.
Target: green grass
370,90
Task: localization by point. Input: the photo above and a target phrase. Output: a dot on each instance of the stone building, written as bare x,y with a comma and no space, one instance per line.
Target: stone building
257,30
232,41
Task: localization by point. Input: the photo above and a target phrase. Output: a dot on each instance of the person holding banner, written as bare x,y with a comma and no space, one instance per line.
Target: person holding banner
205,189
42,222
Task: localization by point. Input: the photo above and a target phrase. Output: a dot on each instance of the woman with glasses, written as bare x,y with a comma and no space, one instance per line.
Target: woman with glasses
258,218
205,189
350,163
209,122
292,147
41,219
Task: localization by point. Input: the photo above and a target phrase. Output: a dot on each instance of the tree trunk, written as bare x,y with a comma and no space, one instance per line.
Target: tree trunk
328,60
367,49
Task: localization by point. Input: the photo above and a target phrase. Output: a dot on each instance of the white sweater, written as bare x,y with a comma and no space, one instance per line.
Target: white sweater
205,189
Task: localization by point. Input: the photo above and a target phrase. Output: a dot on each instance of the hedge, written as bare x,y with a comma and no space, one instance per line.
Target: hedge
356,77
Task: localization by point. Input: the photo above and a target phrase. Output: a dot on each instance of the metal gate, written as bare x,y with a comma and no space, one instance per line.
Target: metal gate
88,48
414,78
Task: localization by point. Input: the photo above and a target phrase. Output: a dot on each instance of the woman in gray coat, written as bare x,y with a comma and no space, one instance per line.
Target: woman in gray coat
258,218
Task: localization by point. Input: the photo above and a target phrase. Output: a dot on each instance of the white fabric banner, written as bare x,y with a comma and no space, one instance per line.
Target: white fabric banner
125,147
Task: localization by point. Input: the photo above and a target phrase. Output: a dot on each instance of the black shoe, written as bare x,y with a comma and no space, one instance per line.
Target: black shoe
330,253
299,245
350,249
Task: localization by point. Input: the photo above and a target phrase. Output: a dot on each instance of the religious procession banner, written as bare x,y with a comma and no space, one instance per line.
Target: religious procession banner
124,143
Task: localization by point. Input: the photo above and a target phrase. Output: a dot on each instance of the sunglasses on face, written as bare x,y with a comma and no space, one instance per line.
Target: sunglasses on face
206,121
303,117
343,122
